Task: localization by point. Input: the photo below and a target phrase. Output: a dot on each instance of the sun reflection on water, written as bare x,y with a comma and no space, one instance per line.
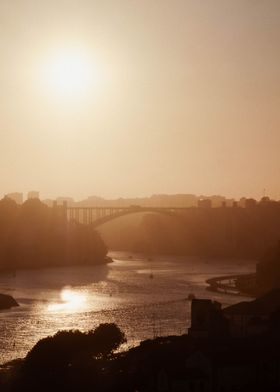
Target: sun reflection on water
70,301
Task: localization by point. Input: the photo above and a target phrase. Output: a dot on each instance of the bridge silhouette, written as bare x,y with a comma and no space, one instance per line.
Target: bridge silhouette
97,216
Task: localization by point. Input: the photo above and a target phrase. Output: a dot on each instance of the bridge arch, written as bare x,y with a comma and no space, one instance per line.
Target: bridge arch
97,216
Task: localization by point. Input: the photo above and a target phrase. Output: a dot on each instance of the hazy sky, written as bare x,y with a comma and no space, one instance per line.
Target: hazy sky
185,97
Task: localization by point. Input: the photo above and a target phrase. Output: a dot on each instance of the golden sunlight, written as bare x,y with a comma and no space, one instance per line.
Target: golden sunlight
71,74
70,301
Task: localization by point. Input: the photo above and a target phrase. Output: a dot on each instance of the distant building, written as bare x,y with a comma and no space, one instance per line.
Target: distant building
204,203
217,201
33,195
63,200
207,319
242,202
265,200
16,196
48,202
249,203
268,270
253,317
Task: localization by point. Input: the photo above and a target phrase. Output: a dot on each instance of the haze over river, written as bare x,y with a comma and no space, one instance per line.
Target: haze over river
145,298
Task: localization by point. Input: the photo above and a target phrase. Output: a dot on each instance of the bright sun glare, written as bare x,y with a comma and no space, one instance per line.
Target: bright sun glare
70,301
71,74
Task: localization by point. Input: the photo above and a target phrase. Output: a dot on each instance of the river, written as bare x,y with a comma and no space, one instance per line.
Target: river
146,298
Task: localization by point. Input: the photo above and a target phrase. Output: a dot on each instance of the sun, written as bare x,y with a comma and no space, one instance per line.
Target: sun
71,74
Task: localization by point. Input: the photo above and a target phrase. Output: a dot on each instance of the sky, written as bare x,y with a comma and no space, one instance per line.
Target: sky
137,97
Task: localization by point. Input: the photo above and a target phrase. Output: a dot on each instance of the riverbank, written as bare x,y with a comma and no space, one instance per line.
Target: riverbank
244,284
13,271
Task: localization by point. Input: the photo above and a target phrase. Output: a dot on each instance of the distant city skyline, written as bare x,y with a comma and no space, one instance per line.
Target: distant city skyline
192,198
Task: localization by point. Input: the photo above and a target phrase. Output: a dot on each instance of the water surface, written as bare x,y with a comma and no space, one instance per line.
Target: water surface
146,298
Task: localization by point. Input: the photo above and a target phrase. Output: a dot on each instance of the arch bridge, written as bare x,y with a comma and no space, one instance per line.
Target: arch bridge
96,216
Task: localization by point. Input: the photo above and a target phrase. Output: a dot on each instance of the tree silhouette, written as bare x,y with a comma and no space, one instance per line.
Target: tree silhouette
58,352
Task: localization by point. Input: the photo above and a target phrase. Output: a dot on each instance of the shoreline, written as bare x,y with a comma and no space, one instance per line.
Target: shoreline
240,285
10,271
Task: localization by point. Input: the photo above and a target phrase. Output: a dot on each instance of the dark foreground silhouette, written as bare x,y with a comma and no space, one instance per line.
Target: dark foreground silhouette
33,235
225,350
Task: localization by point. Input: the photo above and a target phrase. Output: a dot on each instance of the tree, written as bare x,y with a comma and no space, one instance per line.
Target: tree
56,352
60,351
106,338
